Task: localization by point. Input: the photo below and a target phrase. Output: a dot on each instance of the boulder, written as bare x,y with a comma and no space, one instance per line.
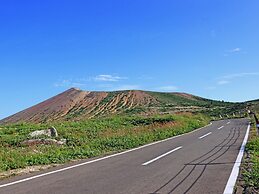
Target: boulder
51,132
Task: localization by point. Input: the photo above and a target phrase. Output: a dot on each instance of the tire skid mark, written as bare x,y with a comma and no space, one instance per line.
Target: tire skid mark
220,148
183,179
210,162
234,135
200,175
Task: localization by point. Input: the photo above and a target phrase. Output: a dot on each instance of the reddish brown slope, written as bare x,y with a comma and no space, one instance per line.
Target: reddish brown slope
77,104
51,109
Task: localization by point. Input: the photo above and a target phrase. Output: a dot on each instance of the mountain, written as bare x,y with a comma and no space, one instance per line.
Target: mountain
75,104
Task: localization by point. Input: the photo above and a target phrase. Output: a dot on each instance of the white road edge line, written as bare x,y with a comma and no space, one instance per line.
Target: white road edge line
205,135
161,156
234,174
96,160
221,127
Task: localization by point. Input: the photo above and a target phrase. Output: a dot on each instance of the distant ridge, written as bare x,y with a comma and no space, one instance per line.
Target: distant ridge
76,104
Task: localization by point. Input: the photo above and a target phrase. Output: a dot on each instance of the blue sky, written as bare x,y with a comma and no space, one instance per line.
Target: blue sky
208,48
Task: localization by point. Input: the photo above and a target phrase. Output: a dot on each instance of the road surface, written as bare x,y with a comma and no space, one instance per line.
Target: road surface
197,162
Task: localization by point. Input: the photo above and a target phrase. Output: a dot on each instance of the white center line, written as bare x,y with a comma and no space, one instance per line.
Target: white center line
161,156
221,127
228,122
205,135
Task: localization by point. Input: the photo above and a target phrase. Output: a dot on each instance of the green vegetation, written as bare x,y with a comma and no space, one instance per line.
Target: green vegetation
251,165
173,102
167,103
252,176
90,138
171,99
109,97
75,113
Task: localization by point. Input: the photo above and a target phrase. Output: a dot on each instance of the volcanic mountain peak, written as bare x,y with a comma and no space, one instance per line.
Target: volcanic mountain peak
74,89
76,104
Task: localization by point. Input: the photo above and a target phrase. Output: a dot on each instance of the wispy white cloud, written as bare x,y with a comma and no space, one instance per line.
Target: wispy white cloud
223,82
126,87
69,83
226,79
235,50
89,81
108,78
169,88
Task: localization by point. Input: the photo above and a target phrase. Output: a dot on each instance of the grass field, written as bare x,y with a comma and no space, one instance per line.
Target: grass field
90,138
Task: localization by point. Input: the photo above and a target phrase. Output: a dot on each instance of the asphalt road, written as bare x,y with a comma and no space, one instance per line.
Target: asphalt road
198,162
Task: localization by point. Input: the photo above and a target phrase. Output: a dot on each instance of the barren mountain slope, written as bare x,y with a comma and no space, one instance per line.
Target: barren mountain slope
75,104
